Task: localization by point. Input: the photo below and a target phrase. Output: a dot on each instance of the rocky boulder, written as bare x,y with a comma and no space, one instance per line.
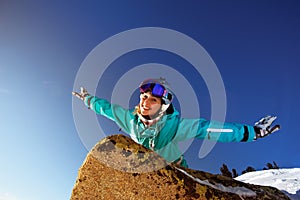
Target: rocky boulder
119,168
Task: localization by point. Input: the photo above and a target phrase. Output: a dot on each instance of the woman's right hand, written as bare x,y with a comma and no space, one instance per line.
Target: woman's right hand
83,93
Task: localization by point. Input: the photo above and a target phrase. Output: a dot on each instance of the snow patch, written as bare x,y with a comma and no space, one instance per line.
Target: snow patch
241,191
286,180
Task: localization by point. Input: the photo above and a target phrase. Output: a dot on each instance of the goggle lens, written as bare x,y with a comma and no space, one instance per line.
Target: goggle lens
156,89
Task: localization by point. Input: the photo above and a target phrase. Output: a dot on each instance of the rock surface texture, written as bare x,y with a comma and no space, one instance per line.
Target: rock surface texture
119,168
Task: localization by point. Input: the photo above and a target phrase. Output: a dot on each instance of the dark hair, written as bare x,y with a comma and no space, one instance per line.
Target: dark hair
170,109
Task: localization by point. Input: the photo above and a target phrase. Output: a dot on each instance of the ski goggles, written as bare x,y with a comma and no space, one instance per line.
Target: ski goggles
156,89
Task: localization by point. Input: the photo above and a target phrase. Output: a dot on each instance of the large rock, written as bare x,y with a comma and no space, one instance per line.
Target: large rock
119,168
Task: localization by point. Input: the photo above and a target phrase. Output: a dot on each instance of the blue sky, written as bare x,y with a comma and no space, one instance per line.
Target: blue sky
254,44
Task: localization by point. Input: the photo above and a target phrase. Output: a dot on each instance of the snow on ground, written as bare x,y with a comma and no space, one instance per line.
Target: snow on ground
286,180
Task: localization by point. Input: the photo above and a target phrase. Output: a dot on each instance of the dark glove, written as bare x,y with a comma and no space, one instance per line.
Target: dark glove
83,93
264,126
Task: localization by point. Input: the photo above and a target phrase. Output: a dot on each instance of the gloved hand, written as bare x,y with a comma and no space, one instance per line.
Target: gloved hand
83,93
263,126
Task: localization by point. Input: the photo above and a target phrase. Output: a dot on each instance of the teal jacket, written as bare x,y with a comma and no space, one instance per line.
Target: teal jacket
163,136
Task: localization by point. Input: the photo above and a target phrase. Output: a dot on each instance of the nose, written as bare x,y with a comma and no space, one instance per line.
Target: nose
147,102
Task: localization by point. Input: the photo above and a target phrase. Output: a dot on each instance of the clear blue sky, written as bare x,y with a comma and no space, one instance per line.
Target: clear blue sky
255,45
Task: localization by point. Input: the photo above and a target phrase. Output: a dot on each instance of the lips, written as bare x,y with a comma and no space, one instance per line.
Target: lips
145,109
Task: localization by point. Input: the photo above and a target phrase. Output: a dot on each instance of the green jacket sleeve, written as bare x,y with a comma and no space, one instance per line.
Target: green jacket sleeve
123,117
213,130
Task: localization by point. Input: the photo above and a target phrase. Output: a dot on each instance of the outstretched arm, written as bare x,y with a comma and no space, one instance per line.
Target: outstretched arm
224,132
123,117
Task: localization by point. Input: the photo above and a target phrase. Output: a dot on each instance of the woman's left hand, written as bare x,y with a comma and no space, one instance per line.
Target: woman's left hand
264,126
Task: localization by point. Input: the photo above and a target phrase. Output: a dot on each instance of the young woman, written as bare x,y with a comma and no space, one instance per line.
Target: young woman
156,124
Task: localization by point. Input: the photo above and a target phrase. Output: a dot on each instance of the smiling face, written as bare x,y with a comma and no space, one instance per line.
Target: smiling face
149,105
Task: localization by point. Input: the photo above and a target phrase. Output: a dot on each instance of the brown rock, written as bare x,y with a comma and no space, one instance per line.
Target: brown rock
119,168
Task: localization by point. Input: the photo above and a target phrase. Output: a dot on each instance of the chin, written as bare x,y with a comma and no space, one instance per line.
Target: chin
144,113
